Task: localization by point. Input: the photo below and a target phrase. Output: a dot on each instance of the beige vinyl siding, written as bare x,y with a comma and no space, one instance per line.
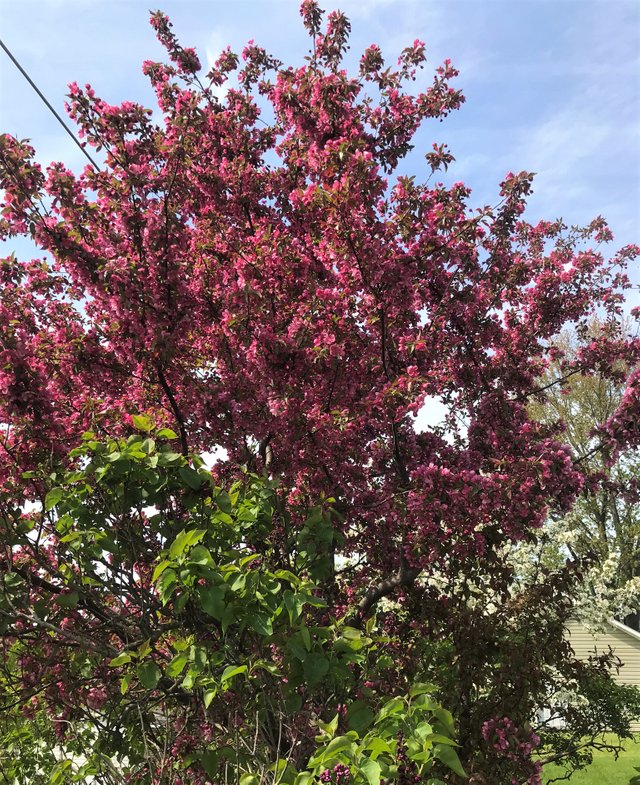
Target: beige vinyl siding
624,645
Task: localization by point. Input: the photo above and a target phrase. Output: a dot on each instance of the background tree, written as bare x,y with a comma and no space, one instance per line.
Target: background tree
254,273
603,526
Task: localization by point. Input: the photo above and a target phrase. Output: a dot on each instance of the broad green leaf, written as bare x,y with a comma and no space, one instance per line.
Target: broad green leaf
52,498
223,500
293,702
184,540
209,760
176,666
359,716
421,688
69,600
377,746
372,770
201,556
166,433
392,706
446,718
191,477
159,569
330,728
261,623
124,683
144,649
147,446
212,600
339,744
209,695
248,559
293,604
57,772
450,758
316,667
232,670
142,422
149,674
287,576
438,738
120,659
167,585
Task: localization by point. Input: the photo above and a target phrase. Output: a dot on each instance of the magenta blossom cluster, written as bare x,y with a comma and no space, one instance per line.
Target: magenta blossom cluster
514,744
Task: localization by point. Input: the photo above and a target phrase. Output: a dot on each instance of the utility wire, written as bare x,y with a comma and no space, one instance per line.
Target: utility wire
48,105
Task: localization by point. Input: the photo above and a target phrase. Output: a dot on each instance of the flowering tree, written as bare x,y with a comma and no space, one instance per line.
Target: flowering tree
253,274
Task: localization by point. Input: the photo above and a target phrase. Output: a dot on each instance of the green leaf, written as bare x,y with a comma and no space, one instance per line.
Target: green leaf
339,744
144,649
52,498
166,433
142,422
176,666
223,500
209,760
248,559
249,779
316,667
209,695
287,576
191,477
421,688
293,603
232,670
293,702
69,600
438,738
184,540
149,674
57,772
446,718
212,600
147,446
371,771
159,569
261,623
200,555
377,746
330,728
122,659
450,758
391,707
167,585
359,716
124,683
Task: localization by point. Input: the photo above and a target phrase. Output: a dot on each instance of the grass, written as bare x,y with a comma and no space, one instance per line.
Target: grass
605,770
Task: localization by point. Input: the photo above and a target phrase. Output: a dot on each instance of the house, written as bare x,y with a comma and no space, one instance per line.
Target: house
625,643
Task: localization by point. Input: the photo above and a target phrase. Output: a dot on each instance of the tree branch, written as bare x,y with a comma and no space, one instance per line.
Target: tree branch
176,410
404,577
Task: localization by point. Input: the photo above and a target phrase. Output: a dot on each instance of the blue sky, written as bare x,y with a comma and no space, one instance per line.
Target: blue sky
552,86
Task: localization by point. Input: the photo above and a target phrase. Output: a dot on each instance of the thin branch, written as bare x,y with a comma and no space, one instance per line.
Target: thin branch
176,410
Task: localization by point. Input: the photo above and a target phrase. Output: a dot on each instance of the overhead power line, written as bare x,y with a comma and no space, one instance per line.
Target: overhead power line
48,105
